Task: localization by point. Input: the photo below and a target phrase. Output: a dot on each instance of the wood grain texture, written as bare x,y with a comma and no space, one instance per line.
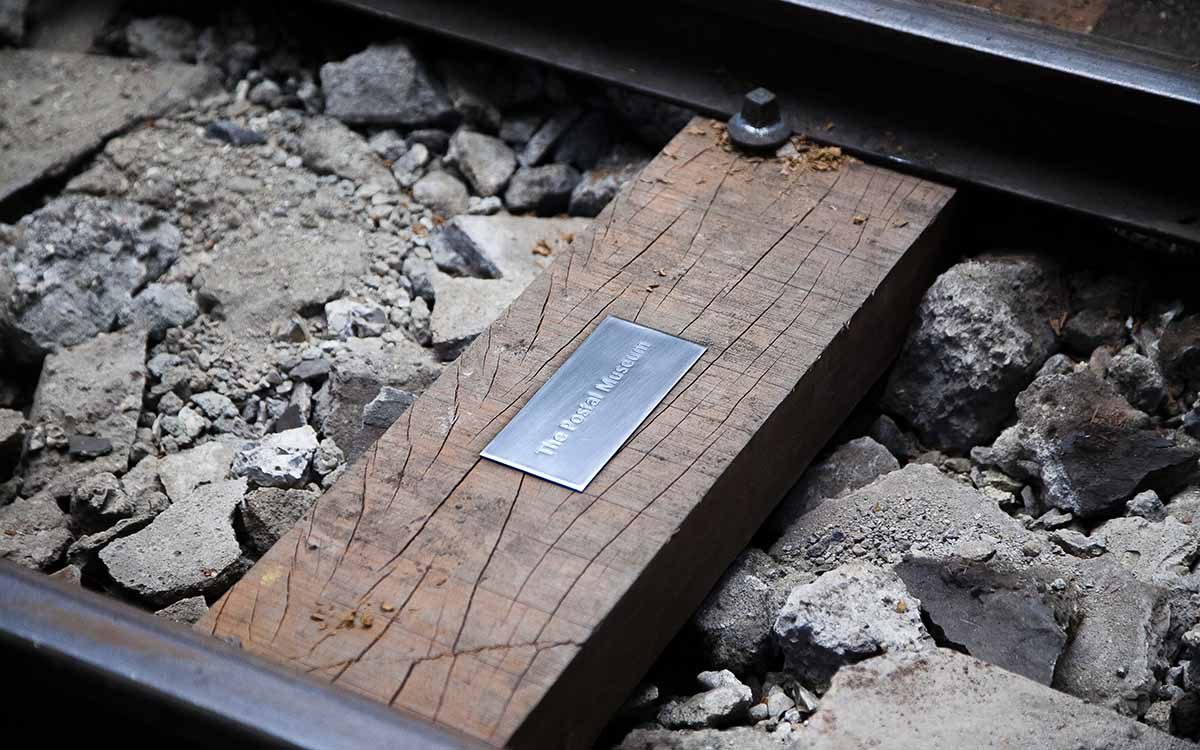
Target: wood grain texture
520,612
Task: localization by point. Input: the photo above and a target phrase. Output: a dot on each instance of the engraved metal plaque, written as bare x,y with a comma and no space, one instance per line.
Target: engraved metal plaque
578,420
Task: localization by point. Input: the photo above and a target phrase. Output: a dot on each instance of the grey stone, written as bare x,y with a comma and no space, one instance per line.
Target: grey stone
540,145
181,473
160,307
437,141
899,443
1087,446
12,438
93,389
310,369
486,161
1011,619
586,142
1185,505
724,702
33,532
981,333
87,446
852,465
389,144
187,425
347,318
849,614
270,512
733,625
185,611
1080,545
1179,350
328,457
442,192
329,147
187,550
593,192
230,132
940,699
1157,552
12,21
1138,379
1090,328
358,374
734,738
477,206
386,84
466,306
215,405
1146,505
1057,364
468,88
167,38
408,168
518,128
653,120
83,551
99,502
277,460
266,93
386,407
456,252
74,266
544,190
98,97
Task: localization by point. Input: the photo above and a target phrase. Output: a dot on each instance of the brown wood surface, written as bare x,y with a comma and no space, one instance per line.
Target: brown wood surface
520,612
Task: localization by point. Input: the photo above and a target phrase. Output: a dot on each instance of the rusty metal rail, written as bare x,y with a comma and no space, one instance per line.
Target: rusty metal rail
82,666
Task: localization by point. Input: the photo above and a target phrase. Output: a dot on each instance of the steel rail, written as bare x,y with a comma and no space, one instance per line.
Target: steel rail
936,89
80,665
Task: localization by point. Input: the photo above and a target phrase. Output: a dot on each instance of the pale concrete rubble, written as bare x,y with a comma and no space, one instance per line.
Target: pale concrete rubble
723,702
270,512
386,84
938,698
187,550
185,611
849,467
278,460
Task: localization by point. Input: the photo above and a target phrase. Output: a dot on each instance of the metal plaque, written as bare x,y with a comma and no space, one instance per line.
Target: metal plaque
578,420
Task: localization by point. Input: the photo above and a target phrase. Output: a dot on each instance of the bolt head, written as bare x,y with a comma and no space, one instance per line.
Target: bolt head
760,108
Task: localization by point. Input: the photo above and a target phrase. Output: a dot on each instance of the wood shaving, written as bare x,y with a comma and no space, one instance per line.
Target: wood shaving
541,248
804,155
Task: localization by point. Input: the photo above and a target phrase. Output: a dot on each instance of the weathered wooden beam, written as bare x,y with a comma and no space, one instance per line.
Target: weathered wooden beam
521,612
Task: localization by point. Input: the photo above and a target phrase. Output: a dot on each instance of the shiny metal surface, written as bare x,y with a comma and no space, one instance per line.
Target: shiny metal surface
578,420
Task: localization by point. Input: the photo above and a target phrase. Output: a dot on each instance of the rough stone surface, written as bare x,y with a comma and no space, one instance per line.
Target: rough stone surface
12,21
1138,379
734,623
386,84
852,465
189,549
1087,446
1016,621
1079,544
359,372
723,702
443,192
160,307
74,267
465,305
386,407
981,333
347,318
848,614
33,532
456,251
1179,350
277,460
183,472
92,389
329,147
486,161
185,611
169,38
940,699
544,190
94,98
1154,551
270,512
242,280
12,437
